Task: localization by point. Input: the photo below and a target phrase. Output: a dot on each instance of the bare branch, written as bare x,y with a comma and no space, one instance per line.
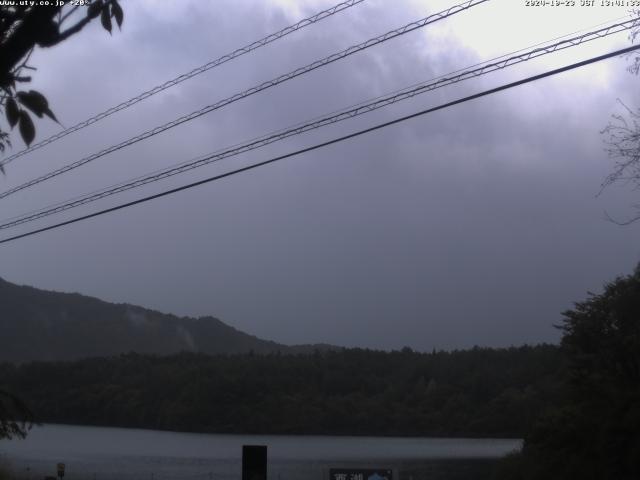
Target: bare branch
623,145
621,223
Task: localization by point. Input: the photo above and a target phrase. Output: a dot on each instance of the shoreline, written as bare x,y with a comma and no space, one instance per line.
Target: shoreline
253,434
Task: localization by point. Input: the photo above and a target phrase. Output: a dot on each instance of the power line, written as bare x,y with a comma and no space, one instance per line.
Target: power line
360,109
330,142
186,76
253,90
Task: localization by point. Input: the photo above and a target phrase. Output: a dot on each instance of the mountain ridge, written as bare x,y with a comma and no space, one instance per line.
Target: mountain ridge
44,325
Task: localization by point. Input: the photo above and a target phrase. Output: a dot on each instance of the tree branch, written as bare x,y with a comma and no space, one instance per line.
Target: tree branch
71,30
68,14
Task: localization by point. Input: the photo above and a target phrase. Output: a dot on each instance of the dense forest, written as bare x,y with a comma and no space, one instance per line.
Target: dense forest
477,392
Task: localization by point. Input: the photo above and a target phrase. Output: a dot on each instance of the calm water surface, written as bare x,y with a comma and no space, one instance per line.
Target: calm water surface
119,453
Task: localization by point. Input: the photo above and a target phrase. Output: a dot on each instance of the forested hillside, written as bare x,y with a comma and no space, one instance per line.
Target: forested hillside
49,326
478,392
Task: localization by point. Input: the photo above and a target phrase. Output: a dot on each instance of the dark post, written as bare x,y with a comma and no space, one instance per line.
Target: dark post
254,462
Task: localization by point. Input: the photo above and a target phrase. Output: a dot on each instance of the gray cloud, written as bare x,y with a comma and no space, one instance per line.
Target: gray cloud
474,225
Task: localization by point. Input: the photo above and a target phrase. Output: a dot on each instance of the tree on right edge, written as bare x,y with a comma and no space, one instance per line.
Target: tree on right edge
594,433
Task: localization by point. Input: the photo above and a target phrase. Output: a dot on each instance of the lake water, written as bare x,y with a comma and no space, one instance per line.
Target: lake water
119,453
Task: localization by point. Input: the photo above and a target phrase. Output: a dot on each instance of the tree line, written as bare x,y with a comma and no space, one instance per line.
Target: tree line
479,392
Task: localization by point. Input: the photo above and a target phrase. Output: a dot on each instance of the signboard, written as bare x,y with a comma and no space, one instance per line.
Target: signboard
360,474
254,462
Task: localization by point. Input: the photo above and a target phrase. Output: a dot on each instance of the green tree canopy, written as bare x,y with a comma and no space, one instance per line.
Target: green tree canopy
25,26
594,433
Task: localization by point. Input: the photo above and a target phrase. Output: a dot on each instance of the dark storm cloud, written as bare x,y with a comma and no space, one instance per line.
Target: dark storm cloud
475,225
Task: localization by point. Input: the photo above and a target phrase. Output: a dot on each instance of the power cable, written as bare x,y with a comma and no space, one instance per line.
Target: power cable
319,122
263,86
329,142
186,76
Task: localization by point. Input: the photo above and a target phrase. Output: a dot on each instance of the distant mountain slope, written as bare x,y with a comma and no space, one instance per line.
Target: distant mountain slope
49,326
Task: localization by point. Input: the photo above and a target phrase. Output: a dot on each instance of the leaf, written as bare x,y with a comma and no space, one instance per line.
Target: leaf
106,20
37,103
94,9
34,101
12,111
117,13
50,114
27,130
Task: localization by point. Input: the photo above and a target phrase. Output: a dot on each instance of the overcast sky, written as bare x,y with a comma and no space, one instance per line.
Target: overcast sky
475,225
